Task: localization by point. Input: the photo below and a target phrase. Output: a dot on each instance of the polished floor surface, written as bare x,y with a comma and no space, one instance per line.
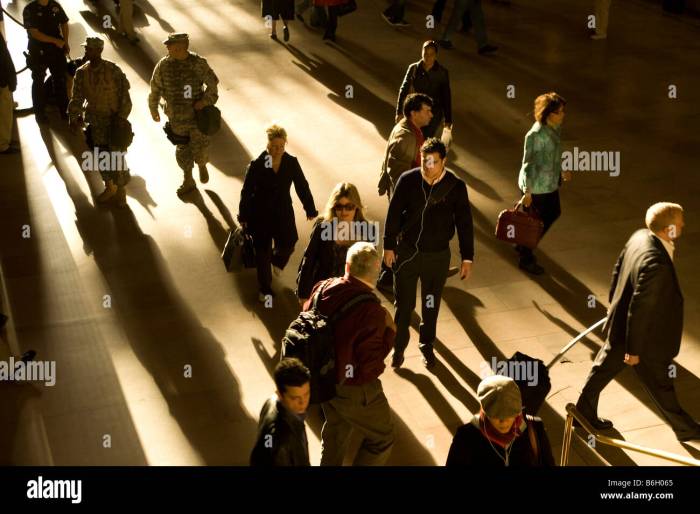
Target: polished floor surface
126,302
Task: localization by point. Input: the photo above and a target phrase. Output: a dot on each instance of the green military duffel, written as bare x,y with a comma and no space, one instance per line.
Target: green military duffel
121,134
208,120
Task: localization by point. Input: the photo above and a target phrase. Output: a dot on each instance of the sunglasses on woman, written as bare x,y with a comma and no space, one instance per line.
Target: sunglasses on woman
344,207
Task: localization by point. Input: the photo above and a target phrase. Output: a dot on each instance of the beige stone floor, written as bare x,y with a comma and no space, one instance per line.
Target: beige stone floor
120,369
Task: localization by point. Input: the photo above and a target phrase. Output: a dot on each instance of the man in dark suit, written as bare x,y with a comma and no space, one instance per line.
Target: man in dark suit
645,322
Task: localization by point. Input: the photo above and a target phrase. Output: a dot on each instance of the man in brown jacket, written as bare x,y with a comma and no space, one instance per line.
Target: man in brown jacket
363,336
405,140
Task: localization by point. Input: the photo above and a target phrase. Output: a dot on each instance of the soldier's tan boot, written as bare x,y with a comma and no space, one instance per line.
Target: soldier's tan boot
108,193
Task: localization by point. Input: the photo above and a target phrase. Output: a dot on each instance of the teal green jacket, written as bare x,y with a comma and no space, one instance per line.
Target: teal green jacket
541,168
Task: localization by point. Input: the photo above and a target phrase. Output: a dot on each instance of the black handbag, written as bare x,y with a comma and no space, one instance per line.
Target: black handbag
346,8
239,251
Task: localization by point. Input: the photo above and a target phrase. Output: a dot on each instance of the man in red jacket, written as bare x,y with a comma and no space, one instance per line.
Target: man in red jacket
364,336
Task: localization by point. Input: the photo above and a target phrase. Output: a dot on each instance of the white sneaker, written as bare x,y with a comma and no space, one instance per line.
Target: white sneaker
277,271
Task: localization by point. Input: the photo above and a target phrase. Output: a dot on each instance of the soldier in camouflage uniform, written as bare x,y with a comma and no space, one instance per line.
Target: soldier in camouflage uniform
101,92
180,78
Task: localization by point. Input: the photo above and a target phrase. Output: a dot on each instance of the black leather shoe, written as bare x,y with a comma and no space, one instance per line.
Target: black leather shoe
397,360
429,359
598,423
531,267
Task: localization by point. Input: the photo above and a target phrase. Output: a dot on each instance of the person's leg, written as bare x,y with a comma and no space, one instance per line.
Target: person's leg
433,274
38,68
373,419
476,15
6,109
606,366
332,20
549,207
199,145
263,258
58,69
406,273
336,431
126,18
452,23
282,252
659,384
438,9
184,157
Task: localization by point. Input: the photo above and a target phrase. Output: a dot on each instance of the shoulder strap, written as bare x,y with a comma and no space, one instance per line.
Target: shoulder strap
365,297
314,304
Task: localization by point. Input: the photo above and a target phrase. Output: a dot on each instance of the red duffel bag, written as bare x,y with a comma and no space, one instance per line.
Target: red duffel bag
518,227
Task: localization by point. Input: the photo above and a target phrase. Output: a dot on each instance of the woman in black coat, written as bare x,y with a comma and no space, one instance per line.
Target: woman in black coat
265,210
501,435
343,223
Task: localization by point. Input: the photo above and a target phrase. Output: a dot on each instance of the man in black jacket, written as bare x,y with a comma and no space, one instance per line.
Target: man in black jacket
428,204
645,321
429,77
281,430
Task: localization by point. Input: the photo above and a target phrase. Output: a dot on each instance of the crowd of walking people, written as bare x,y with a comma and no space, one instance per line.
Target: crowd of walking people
427,205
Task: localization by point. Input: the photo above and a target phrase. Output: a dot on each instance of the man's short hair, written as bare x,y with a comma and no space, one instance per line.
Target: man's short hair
661,215
362,258
414,102
434,145
291,372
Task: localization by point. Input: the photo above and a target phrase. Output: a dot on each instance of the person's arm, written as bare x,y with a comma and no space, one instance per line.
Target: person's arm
125,98
305,278
545,447
529,161
464,222
653,288
401,153
281,454
156,92
616,275
301,186
211,93
460,453
77,98
403,91
65,32
246,202
392,224
447,99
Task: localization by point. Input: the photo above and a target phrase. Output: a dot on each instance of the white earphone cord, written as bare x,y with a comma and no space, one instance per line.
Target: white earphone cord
420,233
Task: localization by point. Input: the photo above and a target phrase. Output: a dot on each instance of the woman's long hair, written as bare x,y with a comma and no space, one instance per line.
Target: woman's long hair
343,190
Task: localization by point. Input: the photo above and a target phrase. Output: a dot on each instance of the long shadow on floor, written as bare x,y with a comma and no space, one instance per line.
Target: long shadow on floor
164,333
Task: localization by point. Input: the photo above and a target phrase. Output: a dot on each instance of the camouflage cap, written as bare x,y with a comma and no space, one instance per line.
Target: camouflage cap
176,38
94,42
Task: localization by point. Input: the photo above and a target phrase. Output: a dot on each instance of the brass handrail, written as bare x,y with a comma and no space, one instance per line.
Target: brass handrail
572,412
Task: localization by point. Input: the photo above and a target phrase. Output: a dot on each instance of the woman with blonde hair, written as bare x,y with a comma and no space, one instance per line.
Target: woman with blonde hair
541,174
265,210
342,224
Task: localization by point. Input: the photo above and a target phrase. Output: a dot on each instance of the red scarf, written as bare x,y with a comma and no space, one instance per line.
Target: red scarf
420,139
493,435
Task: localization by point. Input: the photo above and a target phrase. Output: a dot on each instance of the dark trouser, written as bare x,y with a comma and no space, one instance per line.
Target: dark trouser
548,208
266,256
363,408
396,11
657,382
332,23
439,7
431,268
53,59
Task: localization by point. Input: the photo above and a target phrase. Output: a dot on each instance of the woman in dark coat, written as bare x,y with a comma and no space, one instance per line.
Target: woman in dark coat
501,435
325,256
265,210
332,23
283,9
